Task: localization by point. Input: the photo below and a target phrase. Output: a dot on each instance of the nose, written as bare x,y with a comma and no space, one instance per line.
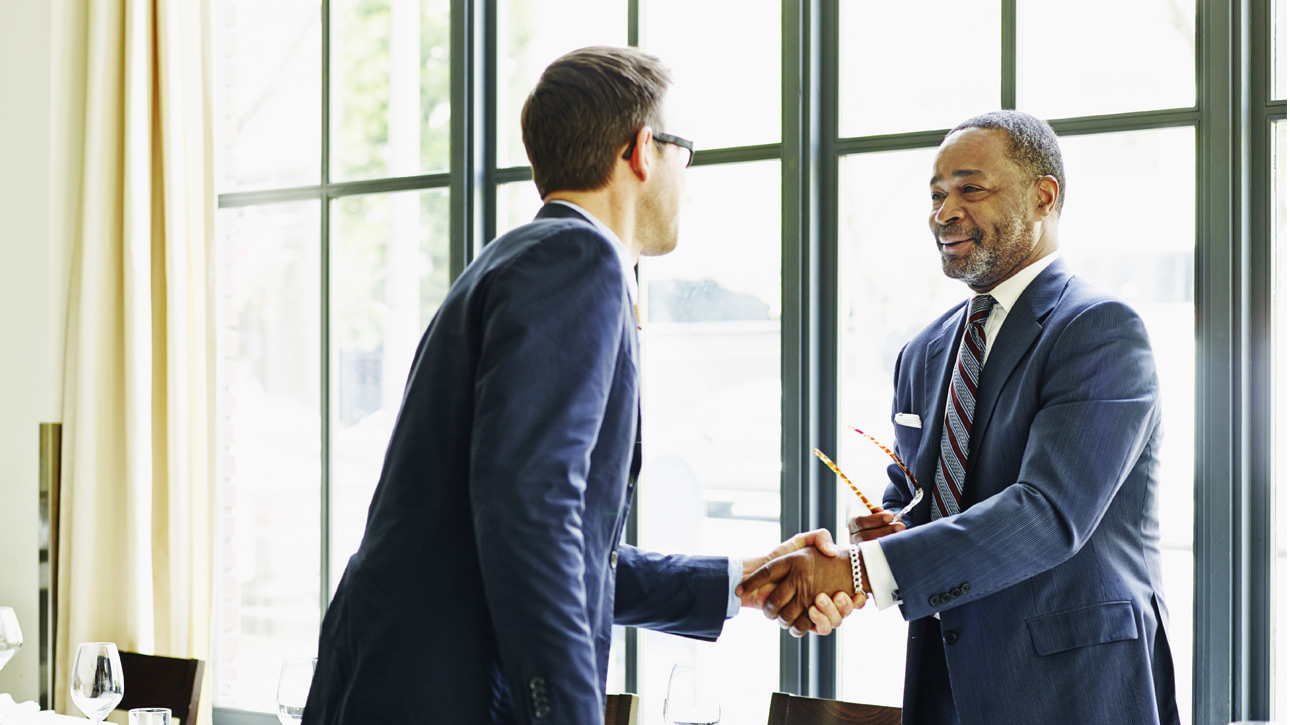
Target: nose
948,212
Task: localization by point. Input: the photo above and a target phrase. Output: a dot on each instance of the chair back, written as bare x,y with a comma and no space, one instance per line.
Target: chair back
153,681
788,709
621,709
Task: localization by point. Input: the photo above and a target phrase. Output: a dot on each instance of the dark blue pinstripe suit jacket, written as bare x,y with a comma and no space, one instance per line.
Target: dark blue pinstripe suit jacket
1048,584
490,571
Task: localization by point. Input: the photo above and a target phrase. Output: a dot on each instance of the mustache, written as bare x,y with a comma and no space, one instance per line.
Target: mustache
959,230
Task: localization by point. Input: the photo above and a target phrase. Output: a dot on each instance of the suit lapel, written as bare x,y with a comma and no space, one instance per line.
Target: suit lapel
1022,326
942,351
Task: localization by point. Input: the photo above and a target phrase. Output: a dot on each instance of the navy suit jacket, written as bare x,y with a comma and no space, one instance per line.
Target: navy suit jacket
1048,582
490,571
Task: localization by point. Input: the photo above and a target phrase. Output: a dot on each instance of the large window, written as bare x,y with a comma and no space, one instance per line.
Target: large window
333,255
367,148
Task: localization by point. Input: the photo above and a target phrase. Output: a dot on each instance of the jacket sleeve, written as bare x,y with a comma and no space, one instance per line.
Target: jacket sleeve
1098,403
677,594
552,325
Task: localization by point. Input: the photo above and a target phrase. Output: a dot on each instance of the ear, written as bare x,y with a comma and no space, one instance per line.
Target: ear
639,159
1046,191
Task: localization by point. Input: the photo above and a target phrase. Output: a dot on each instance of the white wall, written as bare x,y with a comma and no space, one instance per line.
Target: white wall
36,211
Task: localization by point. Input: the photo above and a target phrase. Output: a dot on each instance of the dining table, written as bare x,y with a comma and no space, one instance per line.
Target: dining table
29,713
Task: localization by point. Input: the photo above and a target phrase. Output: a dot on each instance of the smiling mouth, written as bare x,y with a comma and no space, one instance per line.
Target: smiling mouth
953,243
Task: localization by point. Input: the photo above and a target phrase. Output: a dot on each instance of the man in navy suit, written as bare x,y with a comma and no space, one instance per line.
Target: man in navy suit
491,568
1030,571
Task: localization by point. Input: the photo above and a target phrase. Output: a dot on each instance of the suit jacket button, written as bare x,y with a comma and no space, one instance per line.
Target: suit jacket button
951,637
934,600
964,587
613,559
955,592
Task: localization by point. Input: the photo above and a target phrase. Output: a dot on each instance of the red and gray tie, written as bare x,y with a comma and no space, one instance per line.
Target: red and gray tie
958,414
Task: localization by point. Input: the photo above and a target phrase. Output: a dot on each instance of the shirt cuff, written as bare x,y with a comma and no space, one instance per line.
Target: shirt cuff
736,569
885,591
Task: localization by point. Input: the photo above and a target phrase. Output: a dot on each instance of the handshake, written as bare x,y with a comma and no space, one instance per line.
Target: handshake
806,582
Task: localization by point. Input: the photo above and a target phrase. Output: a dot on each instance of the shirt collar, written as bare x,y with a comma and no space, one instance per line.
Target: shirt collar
1008,291
629,274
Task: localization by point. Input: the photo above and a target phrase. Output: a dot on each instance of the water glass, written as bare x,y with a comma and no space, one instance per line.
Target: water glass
150,716
10,635
97,680
691,699
293,688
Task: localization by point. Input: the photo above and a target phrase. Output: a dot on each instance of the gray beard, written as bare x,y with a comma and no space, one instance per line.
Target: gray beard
988,264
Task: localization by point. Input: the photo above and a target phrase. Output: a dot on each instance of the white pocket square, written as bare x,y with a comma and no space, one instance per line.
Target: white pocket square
909,420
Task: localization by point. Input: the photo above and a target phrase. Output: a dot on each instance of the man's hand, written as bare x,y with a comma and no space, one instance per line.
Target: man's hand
797,577
826,614
873,526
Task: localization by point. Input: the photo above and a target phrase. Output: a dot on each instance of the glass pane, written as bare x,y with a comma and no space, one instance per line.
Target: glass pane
517,203
531,34
1109,242
890,286
1145,57
888,84
1149,260
268,93
267,438
1280,427
725,64
389,272
711,406
389,84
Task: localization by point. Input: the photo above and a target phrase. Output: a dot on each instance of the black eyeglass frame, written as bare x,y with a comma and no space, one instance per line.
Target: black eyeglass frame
684,143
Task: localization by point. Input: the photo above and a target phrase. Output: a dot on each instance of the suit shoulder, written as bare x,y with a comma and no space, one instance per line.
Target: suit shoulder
558,235
1081,296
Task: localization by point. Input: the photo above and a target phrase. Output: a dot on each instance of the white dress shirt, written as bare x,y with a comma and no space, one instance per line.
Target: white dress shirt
886,590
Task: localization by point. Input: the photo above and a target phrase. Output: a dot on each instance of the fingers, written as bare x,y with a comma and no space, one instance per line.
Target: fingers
827,614
767,576
822,540
754,597
800,627
783,603
873,526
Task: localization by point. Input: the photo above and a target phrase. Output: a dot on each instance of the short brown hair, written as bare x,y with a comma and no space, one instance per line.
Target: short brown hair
586,106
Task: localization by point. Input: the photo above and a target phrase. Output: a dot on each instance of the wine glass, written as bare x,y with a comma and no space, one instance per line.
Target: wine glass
97,680
10,635
293,688
691,700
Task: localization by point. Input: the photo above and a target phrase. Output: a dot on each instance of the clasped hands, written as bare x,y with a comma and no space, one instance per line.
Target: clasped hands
793,582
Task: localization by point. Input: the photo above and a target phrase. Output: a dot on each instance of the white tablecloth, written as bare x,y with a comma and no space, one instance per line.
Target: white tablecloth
47,717
29,713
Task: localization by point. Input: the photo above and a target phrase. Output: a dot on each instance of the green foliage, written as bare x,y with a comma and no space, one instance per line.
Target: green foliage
362,226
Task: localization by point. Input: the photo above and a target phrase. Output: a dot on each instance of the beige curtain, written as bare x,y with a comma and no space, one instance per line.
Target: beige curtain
135,536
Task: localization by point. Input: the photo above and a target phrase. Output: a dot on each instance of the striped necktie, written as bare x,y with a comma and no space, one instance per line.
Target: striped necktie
958,413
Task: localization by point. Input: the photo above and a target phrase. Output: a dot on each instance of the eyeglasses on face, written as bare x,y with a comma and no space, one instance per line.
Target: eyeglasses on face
668,138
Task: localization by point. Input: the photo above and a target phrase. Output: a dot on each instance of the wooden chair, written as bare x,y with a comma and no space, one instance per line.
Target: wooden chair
788,709
622,709
152,681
